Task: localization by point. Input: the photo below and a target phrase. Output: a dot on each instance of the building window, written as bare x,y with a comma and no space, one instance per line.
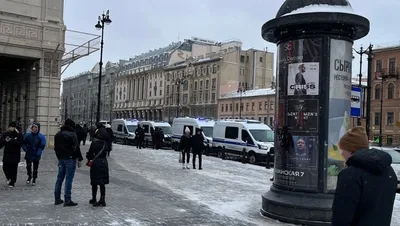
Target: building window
185,86
213,97
247,106
252,106
389,139
392,66
222,108
206,97
241,106
265,120
207,84
160,92
378,65
242,59
167,89
195,85
201,97
214,68
213,83
237,107
230,107
390,118
390,91
260,107
266,105
260,62
201,85
271,107
150,93
185,98
378,91
377,118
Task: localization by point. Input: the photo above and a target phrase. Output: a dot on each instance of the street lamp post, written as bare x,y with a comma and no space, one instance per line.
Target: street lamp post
240,91
103,20
369,78
361,53
381,112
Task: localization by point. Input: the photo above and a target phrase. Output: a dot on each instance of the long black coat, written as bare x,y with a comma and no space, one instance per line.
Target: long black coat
12,148
365,190
197,143
99,171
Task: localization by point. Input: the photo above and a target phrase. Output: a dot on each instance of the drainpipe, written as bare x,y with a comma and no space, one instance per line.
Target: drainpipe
254,69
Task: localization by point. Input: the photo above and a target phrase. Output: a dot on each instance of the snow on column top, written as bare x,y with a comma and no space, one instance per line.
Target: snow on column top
322,9
292,7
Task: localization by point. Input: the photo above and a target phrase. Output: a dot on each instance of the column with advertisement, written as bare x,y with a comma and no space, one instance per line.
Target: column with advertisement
313,106
296,149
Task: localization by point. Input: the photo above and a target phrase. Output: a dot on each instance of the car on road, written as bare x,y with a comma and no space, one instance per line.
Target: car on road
249,139
150,126
124,130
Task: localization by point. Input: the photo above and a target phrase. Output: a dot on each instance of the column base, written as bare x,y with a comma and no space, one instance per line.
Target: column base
297,207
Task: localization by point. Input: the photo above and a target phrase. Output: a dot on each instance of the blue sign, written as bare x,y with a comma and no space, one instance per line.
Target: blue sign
356,102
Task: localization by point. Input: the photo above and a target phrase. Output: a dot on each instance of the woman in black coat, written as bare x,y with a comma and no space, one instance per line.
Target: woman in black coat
99,169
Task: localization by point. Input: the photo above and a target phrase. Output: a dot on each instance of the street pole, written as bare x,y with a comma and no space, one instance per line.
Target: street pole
381,112
361,53
369,78
66,109
240,91
103,19
178,83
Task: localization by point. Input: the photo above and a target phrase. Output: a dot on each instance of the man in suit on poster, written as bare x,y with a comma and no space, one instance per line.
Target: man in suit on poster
300,82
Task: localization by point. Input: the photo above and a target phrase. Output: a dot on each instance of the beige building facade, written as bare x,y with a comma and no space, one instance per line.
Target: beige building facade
32,38
258,104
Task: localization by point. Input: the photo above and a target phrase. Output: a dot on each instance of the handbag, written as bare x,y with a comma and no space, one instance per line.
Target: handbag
90,162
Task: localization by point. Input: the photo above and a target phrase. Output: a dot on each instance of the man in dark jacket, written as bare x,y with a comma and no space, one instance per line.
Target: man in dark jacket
139,137
86,131
197,143
11,140
366,189
67,150
111,138
80,133
160,139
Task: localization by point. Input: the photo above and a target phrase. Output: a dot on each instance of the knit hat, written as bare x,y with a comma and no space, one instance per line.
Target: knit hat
187,130
354,140
12,124
69,122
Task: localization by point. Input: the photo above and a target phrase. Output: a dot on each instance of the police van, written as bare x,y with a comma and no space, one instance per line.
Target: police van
250,139
179,125
124,130
150,126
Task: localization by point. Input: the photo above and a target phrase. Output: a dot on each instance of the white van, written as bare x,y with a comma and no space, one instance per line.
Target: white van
124,130
179,125
250,139
150,126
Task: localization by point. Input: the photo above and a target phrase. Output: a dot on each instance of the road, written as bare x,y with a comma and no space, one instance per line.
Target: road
147,187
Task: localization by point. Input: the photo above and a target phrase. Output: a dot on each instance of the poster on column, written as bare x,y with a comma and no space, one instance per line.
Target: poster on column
339,105
296,137
303,78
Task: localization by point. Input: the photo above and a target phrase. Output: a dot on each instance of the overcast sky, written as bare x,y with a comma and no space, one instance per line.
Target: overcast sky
142,25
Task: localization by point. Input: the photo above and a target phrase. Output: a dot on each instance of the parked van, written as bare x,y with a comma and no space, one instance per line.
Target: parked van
150,126
124,130
248,139
179,125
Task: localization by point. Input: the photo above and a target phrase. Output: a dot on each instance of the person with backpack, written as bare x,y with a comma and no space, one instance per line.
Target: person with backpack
34,143
69,157
11,140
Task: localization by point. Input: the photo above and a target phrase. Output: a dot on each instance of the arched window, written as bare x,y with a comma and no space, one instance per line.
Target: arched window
378,92
390,94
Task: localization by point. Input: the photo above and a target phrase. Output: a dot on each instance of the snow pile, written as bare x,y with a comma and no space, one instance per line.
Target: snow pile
325,8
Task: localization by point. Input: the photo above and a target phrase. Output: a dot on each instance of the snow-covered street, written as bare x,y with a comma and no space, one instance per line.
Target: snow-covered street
147,187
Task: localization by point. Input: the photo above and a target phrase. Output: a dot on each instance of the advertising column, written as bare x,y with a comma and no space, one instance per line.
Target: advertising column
340,104
296,140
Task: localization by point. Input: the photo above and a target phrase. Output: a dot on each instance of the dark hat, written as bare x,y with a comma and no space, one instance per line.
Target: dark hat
12,124
354,140
69,122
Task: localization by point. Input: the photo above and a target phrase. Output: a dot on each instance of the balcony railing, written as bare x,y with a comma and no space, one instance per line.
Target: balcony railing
391,72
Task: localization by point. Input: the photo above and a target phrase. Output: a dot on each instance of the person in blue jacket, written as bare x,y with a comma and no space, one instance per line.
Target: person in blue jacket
33,145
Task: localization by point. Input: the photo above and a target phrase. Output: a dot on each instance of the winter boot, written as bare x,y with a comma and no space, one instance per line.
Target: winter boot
101,202
33,182
29,180
93,201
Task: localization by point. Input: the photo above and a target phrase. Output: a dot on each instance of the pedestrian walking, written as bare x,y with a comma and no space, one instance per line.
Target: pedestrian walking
86,131
366,188
160,140
34,143
97,161
139,136
11,140
153,133
184,146
80,133
197,143
111,135
69,157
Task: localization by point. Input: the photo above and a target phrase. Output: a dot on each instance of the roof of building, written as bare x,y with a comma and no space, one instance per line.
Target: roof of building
250,93
182,64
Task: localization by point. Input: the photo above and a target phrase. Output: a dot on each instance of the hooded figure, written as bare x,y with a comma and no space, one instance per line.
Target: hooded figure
33,145
111,135
11,140
366,189
184,146
68,152
197,144
99,171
